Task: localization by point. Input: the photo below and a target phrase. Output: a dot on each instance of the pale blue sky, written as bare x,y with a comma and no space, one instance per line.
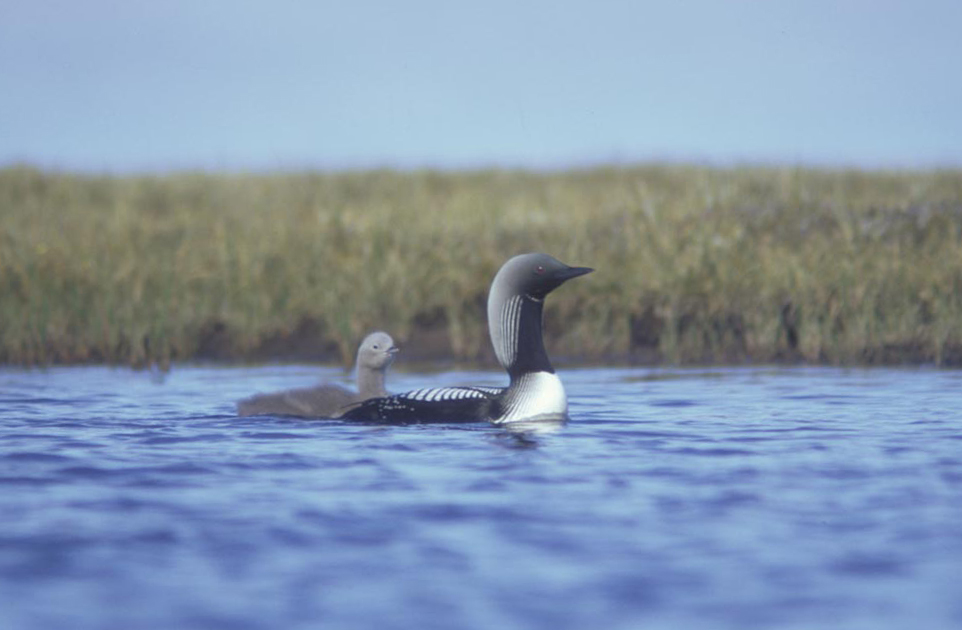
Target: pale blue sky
143,85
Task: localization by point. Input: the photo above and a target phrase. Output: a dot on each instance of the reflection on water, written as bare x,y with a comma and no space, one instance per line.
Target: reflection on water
511,436
535,426
728,498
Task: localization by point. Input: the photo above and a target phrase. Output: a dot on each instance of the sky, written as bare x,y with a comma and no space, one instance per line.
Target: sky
131,86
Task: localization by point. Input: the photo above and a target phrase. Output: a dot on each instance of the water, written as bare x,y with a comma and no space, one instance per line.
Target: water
715,498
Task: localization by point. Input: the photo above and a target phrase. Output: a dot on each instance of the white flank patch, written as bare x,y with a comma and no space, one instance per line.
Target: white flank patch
535,395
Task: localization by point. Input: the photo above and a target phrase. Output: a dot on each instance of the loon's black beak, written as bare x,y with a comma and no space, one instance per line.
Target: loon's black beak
572,272
556,278
560,276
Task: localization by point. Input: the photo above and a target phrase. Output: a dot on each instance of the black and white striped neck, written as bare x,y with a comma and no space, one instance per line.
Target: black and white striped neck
515,326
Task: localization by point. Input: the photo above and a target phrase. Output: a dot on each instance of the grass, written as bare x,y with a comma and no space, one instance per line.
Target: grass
694,264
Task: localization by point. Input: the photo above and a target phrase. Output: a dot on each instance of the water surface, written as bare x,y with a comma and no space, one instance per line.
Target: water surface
695,498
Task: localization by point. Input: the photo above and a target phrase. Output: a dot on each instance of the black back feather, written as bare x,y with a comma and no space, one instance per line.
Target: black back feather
444,404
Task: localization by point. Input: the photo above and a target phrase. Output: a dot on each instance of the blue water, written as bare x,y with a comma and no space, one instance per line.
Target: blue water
675,498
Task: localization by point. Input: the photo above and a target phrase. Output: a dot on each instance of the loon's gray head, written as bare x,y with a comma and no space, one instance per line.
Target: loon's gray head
515,304
376,351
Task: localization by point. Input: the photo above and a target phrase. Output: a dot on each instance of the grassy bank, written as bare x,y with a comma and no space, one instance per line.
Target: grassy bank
693,264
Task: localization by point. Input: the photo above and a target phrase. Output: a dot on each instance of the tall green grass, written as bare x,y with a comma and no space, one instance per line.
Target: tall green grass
694,264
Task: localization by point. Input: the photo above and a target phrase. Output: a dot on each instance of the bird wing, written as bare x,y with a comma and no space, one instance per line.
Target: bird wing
323,401
435,404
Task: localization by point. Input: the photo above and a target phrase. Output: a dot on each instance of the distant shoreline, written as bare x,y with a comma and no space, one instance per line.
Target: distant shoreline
695,264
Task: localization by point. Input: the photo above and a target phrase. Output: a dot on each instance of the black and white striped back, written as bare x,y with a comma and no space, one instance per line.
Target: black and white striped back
433,404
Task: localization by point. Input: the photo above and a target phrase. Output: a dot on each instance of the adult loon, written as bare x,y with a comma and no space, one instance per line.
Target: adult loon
374,356
515,309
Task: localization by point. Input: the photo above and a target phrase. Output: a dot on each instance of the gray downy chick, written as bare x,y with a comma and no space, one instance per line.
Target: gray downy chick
374,356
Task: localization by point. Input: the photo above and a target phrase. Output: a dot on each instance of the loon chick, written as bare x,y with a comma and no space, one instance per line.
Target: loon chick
374,355
515,309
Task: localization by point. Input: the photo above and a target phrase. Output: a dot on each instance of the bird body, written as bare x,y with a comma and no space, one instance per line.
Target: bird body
374,356
515,312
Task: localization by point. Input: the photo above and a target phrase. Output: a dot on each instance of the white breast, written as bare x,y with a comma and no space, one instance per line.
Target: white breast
535,395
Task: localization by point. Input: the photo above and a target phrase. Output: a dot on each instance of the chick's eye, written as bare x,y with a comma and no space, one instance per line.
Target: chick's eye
376,347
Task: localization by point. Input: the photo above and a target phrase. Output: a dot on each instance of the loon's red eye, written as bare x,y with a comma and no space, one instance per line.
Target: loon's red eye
539,270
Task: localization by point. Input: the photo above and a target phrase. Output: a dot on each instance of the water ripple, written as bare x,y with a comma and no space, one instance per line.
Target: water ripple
769,497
